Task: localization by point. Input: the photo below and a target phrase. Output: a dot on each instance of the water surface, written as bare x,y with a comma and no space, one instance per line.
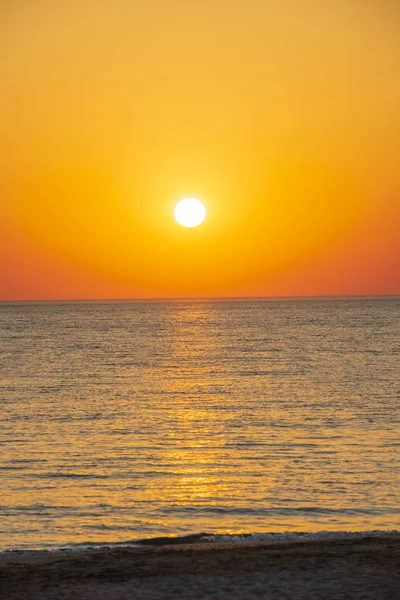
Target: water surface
128,420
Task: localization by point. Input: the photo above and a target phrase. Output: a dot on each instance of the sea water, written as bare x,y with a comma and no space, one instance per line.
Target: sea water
128,420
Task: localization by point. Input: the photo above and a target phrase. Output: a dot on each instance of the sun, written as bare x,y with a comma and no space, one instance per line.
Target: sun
190,212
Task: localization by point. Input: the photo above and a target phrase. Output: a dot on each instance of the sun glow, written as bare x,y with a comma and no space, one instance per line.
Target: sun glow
190,212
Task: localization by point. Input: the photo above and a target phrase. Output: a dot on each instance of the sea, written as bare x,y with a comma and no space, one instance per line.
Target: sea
126,421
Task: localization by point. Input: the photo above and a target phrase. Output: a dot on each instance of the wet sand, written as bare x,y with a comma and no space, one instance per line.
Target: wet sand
363,568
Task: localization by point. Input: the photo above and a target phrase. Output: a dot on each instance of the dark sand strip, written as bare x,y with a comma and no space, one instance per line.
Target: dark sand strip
364,568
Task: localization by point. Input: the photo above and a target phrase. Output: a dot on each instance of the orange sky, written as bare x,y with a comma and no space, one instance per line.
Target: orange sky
282,117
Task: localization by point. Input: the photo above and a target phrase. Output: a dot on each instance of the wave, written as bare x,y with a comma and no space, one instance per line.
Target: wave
207,538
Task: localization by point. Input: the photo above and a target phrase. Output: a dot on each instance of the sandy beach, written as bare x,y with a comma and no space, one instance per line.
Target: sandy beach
367,568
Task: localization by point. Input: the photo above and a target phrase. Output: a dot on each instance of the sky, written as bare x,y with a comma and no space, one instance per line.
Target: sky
281,117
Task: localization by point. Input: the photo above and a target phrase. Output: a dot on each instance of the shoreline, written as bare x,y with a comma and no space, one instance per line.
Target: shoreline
201,538
367,567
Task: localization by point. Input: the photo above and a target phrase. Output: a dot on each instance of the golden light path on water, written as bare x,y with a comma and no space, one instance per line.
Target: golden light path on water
145,419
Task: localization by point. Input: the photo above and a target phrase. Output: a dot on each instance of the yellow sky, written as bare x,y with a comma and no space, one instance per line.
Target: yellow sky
282,117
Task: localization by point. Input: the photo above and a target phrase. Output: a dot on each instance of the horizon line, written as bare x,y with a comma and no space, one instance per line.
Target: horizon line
197,298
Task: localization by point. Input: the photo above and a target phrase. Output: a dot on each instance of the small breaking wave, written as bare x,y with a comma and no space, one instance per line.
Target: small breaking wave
207,538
